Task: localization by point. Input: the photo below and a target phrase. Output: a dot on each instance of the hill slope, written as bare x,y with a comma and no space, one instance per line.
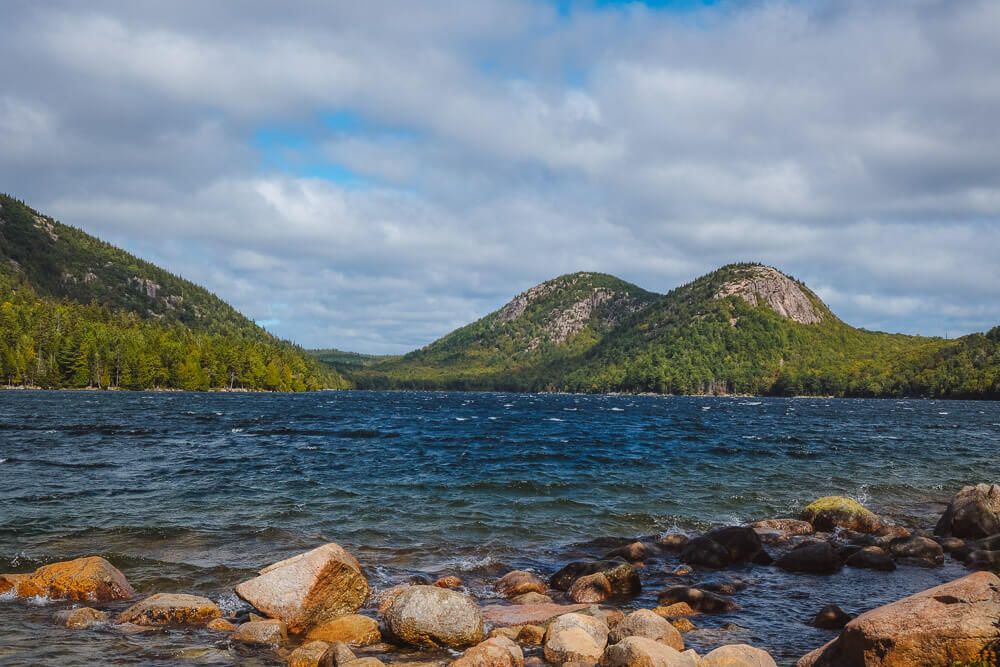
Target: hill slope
745,328
78,312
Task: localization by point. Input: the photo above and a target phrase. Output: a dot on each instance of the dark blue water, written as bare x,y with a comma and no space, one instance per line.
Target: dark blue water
191,492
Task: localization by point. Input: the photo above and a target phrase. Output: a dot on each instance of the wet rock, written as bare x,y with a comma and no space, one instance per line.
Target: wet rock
743,543
917,550
871,558
510,632
815,558
520,582
706,552
646,623
724,587
171,609
575,638
644,652
220,625
697,599
133,629
363,662
636,552
450,581
973,513
951,624
531,598
611,617
312,654
537,614
784,526
432,617
983,559
83,579
495,652
737,655
952,544
270,632
683,625
591,588
342,654
831,617
531,635
623,577
386,597
833,512
675,610
353,629
310,588
673,541
81,618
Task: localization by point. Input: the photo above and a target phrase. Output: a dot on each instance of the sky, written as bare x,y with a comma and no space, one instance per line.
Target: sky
371,175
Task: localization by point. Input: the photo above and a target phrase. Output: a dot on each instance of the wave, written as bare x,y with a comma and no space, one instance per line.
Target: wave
61,464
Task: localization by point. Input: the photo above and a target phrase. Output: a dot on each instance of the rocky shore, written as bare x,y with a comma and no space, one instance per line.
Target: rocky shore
317,608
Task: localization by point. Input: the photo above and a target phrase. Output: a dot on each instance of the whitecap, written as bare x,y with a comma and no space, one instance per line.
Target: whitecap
617,409
493,418
706,407
3,460
235,430
461,419
555,419
942,413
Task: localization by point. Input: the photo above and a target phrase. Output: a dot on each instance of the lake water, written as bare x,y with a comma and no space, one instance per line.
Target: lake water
192,492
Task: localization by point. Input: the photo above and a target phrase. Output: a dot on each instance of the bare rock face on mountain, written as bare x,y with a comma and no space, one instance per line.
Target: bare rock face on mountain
763,285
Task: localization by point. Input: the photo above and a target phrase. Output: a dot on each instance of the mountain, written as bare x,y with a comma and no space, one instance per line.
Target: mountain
743,329
78,312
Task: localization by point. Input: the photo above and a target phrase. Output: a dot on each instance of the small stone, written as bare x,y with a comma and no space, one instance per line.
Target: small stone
676,610
81,618
591,588
520,582
509,632
450,581
531,635
531,598
312,654
353,629
673,541
363,662
538,614
785,526
342,654
171,609
831,617
697,599
636,552
683,625
682,571
271,632
220,625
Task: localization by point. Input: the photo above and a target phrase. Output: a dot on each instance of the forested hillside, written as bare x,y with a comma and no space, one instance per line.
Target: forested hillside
76,312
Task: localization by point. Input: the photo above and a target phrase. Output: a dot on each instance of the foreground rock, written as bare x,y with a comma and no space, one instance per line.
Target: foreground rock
171,609
815,558
353,630
622,576
270,632
527,614
310,588
312,654
81,618
951,624
737,655
494,652
831,512
432,617
83,579
647,623
973,513
575,638
520,582
643,652
697,599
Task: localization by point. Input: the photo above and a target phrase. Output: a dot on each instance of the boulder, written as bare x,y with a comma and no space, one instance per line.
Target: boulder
871,558
312,654
353,629
450,581
220,625
648,624
538,614
636,552
737,655
832,512
268,632
673,541
83,579
743,543
831,617
171,609
814,558
531,598
623,577
81,618
951,624
495,652
705,552
697,599
973,513
432,617
386,597
518,583
591,588
917,550
575,638
644,652
611,617
310,588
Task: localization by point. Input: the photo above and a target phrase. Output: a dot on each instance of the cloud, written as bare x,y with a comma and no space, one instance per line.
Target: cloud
366,177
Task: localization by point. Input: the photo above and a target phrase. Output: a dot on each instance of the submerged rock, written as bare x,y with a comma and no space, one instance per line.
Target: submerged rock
81,618
831,617
432,617
973,513
83,579
871,558
697,599
951,624
575,638
353,629
737,655
269,632
623,577
917,550
643,652
591,588
673,541
310,588
815,558
636,552
519,582
832,512
494,652
171,609
648,624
